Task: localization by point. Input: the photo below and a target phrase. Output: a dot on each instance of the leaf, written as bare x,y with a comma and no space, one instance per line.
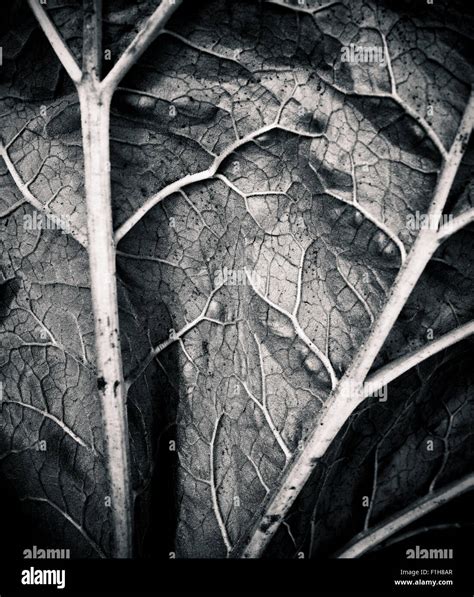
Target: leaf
392,454
245,198
51,444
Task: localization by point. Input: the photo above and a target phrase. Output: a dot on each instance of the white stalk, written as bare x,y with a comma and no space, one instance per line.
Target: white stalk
95,107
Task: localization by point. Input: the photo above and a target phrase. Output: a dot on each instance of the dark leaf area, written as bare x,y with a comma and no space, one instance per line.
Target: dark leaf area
51,441
440,302
392,453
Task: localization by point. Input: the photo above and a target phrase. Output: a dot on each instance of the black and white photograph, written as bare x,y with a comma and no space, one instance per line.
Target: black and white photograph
236,296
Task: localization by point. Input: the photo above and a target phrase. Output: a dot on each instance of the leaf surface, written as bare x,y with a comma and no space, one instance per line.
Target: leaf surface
262,194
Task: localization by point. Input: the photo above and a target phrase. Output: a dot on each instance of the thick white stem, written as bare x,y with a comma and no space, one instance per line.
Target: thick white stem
95,109
348,393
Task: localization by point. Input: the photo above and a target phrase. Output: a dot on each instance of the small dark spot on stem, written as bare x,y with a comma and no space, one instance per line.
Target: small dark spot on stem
101,383
268,521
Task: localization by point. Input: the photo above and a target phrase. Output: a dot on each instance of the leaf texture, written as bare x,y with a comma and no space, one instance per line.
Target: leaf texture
262,190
